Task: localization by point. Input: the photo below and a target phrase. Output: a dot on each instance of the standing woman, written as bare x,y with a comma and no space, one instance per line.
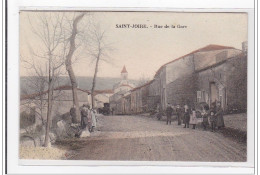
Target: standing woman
193,118
94,120
89,119
219,116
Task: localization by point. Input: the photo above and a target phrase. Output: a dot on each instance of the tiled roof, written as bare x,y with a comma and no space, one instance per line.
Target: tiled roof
207,48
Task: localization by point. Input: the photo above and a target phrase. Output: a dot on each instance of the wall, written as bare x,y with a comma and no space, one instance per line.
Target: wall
230,78
127,104
180,81
154,96
136,101
215,76
182,91
144,98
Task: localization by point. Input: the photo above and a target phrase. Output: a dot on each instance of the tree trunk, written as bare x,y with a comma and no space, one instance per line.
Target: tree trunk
48,123
72,76
69,67
94,84
50,95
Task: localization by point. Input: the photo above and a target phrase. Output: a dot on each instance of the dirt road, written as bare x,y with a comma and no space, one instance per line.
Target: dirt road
144,138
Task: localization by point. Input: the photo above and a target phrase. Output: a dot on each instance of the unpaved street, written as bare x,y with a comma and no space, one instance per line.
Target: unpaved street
145,138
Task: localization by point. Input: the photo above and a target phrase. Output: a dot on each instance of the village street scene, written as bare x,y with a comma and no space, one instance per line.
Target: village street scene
103,86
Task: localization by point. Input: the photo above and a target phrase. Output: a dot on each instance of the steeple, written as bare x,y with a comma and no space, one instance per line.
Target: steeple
124,70
124,73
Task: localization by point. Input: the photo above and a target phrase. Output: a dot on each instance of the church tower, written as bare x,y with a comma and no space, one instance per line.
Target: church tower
124,74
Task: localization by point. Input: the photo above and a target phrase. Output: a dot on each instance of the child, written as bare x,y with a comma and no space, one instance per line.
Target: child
212,120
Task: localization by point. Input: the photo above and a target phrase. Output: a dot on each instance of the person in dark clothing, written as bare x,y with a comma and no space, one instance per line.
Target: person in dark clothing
179,112
169,111
186,116
219,116
73,114
205,113
213,118
84,115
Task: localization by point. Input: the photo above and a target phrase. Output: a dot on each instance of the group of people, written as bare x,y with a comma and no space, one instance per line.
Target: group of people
88,117
212,116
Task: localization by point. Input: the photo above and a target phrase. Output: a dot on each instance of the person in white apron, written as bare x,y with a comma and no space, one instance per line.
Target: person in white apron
94,120
193,118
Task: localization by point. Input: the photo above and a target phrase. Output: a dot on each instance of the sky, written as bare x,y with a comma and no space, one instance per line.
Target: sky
144,50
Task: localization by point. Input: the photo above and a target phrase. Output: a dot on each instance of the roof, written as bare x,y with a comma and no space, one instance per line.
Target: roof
207,48
106,91
124,70
219,63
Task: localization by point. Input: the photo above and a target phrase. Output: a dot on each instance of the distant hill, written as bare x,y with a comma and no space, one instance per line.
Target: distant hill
83,83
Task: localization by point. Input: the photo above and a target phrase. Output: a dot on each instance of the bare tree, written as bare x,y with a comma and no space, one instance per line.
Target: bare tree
99,51
48,28
72,48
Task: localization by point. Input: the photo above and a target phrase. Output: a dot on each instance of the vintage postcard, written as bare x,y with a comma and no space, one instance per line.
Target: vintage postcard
133,86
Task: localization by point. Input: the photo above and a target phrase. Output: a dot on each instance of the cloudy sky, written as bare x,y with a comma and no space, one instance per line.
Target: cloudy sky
144,50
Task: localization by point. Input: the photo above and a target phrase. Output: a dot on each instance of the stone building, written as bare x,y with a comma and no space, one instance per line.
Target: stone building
177,82
203,76
224,81
139,98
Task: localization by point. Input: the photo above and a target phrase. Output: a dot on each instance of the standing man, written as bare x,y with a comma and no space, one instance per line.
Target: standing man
186,116
169,111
